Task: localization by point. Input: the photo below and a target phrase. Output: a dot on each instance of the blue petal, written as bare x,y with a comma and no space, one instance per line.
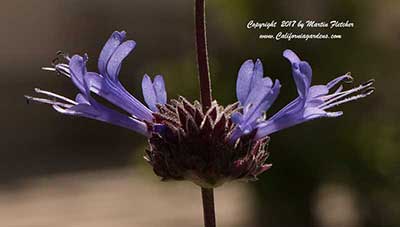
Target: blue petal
237,118
262,104
258,70
154,93
114,64
109,48
77,66
159,88
261,89
291,56
312,113
102,113
317,91
300,81
250,75
315,102
301,72
81,99
268,127
149,93
116,94
249,120
244,81
95,82
293,107
306,70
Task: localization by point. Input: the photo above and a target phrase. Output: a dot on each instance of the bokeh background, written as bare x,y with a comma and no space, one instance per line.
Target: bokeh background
63,171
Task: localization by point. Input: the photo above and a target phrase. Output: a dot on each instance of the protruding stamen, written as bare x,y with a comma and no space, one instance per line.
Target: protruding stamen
49,69
64,111
60,57
47,101
349,79
340,88
346,78
368,83
367,92
334,114
61,69
51,94
336,96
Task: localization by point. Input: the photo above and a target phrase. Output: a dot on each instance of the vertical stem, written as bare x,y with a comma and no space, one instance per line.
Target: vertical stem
205,95
202,55
208,207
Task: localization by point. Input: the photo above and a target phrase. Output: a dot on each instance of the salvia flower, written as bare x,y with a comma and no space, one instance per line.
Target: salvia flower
186,142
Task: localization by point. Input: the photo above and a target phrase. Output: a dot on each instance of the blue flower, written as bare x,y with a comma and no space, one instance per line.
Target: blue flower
107,85
256,95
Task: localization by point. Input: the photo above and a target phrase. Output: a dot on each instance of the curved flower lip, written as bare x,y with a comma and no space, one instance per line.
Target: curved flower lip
312,101
154,92
250,74
109,49
302,72
106,85
255,93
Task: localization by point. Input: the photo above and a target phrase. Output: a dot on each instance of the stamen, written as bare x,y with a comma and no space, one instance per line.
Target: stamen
349,78
60,56
51,94
336,96
367,92
49,69
368,83
64,111
334,114
47,101
346,78
61,69
340,88
63,55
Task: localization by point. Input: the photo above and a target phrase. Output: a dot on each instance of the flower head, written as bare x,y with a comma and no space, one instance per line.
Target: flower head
195,145
186,142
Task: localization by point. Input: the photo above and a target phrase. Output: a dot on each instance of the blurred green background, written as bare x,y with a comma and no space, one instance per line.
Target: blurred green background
329,172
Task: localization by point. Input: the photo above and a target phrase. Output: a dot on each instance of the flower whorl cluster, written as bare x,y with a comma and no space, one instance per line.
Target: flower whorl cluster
196,145
207,146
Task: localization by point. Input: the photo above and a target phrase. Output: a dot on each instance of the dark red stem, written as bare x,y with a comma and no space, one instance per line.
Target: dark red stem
208,207
205,95
202,55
